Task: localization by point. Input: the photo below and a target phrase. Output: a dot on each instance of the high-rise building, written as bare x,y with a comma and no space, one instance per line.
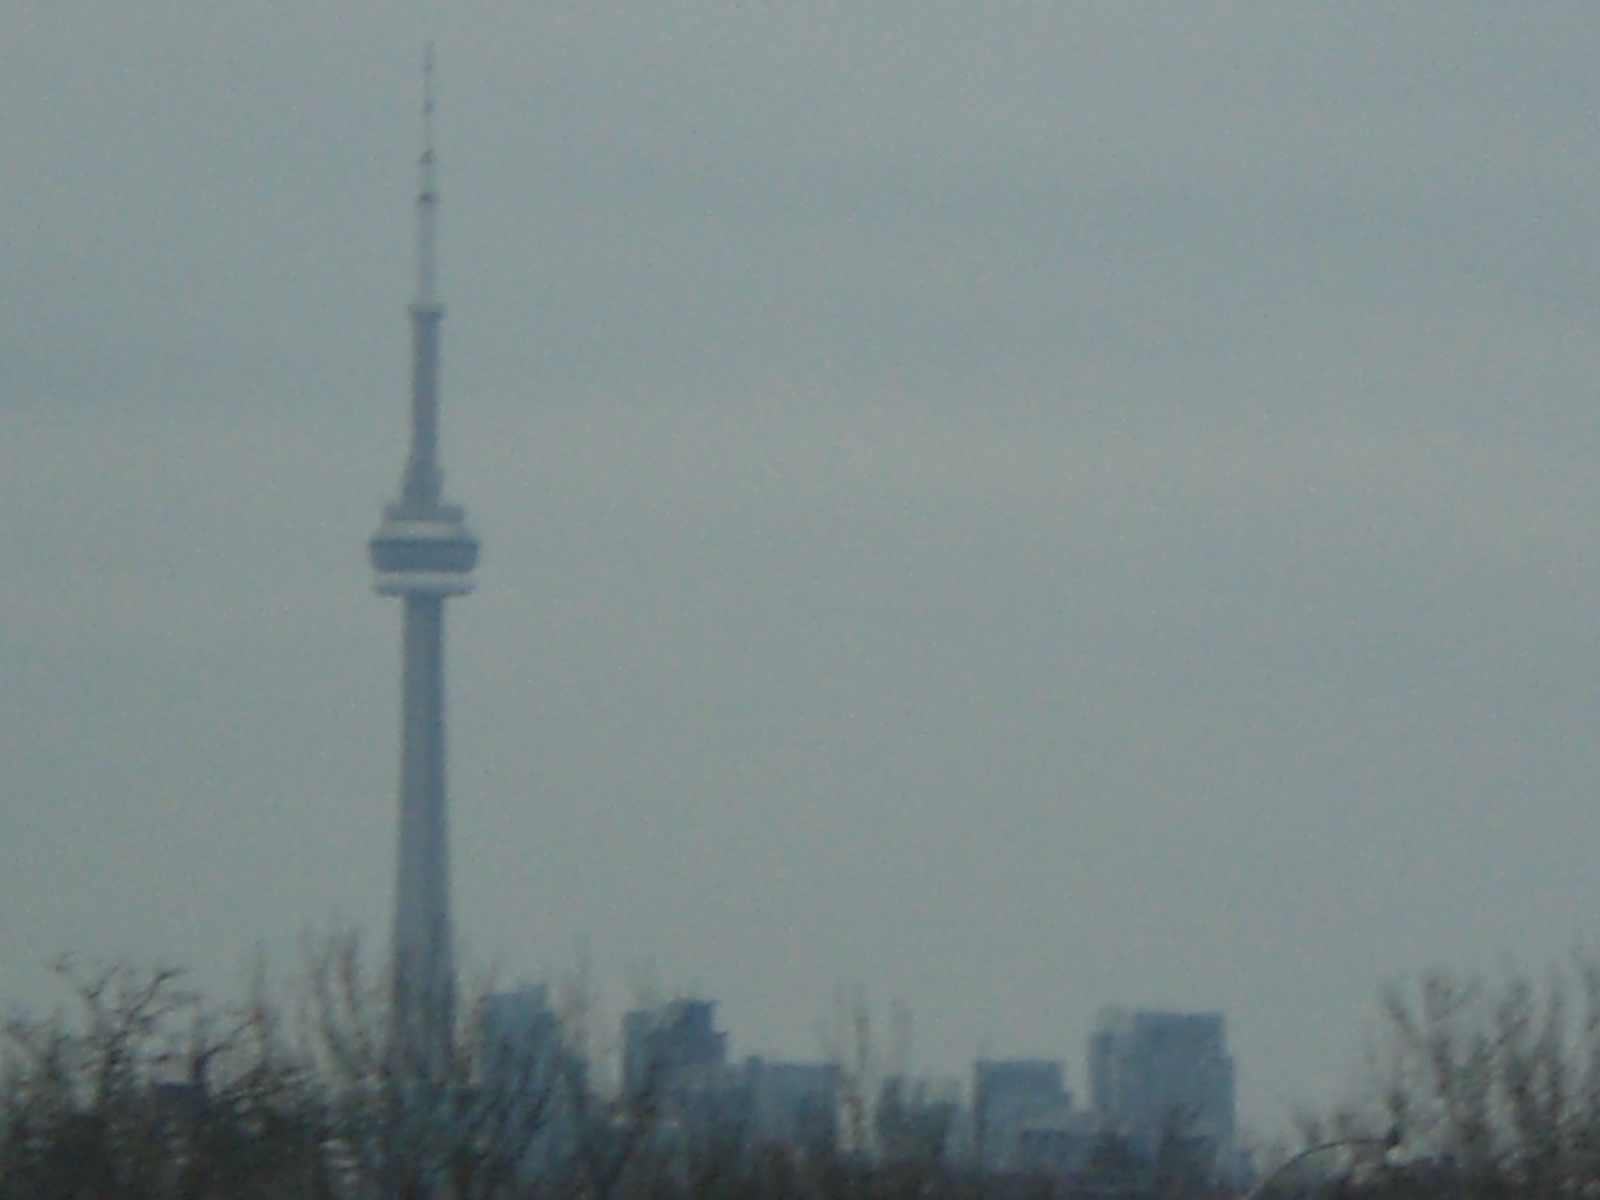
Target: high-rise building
1023,1116
672,1047
423,553
794,1104
531,1076
1158,1074
519,1039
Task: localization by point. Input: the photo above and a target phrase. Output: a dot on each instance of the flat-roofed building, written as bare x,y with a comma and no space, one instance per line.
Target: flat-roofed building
1155,1074
1011,1097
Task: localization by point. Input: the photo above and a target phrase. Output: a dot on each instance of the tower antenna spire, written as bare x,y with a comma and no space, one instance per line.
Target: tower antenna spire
427,82
427,194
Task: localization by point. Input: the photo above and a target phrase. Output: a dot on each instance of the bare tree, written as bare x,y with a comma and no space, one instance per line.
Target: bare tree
415,1122
1495,1086
141,1090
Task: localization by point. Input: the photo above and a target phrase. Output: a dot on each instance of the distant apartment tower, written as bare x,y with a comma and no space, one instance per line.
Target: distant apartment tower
675,1059
1153,1073
1023,1117
520,1038
794,1104
671,1047
533,1074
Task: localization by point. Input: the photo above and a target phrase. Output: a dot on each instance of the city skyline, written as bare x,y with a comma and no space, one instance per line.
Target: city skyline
1005,509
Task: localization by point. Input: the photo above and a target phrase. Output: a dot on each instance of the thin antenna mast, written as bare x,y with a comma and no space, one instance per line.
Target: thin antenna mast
422,483
427,194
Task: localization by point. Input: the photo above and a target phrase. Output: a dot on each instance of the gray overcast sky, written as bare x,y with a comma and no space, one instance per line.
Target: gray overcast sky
1020,506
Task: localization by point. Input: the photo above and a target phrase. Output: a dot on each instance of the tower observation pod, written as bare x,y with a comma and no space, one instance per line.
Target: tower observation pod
423,553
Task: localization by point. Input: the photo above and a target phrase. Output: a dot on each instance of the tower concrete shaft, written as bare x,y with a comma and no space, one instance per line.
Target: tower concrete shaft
424,553
424,969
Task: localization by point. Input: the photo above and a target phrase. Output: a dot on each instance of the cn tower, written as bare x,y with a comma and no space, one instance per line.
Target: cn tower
423,553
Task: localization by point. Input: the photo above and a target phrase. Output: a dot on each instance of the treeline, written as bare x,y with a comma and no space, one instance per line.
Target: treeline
1488,1088
140,1089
